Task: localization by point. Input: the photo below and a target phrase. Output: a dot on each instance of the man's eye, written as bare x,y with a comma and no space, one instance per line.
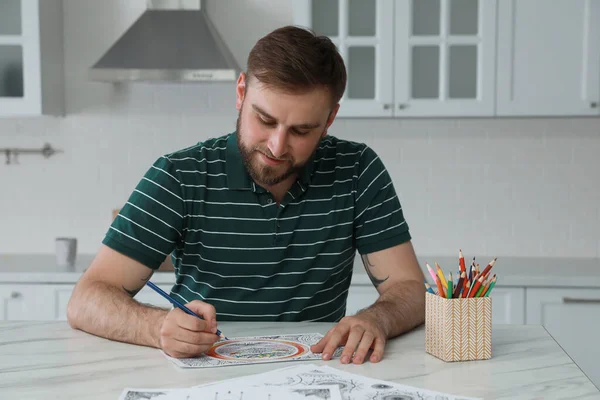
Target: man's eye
268,123
301,133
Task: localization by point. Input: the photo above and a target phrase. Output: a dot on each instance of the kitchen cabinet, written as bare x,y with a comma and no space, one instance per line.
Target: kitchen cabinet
410,58
48,302
31,58
363,33
572,317
445,54
548,57
508,305
440,58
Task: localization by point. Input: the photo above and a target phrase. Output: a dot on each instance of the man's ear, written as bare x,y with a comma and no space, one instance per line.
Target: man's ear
240,90
330,119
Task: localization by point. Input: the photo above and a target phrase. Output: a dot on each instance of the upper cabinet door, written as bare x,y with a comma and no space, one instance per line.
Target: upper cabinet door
362,30
445,57
548,57
20,79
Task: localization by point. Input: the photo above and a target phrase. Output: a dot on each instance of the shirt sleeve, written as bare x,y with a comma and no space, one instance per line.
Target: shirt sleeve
379,222
150,223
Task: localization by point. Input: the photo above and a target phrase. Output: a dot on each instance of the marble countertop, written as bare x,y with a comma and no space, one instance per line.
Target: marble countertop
512,271
51,360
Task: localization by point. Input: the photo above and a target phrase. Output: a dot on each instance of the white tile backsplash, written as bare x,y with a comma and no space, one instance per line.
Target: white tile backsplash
505,186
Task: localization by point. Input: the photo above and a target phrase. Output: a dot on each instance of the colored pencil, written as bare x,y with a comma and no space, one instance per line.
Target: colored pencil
475,287
450,286
428,288
466,289
461,261
480,290
438,282
487,293
487,286
459,286
179,305
488,267
430,271
441,275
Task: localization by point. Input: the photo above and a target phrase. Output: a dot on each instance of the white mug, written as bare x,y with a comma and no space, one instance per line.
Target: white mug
66,251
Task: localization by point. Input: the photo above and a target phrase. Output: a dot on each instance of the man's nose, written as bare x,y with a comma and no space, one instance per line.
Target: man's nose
278,142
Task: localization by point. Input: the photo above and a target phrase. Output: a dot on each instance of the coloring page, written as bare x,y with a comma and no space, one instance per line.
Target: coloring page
256,349
352,386
298,392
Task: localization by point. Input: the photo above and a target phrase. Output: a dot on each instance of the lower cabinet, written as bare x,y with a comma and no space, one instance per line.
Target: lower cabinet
508,305
572,317
359,297
48,302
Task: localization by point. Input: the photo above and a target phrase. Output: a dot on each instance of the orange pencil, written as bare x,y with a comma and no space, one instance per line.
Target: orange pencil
440,287
461,261
487,286
475,287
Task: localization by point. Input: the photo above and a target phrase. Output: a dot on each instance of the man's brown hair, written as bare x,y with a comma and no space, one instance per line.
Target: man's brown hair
293,58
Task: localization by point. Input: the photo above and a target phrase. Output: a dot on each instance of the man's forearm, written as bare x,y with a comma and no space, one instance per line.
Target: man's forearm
110,312
400,309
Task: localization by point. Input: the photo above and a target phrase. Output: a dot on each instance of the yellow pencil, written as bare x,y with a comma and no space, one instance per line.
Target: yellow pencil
441,275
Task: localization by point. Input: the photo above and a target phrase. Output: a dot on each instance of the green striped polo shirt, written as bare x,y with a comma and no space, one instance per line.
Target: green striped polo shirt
234,247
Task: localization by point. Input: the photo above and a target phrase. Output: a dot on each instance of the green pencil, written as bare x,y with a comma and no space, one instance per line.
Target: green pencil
450,286
487,293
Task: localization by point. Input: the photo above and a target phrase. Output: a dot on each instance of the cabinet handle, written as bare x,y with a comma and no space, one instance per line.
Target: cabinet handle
593,104
574,300
402,106
15,295
387,106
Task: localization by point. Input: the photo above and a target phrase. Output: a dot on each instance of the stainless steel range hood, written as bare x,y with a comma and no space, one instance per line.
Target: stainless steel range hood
174,41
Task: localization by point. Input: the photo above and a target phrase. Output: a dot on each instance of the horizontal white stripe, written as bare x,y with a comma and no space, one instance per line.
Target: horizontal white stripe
385,230
136,240
369,185
343,264
200,172
155,217
146,229
333,170
325,316
383,216
265,262
268,219
280,314
228,203
165,172
367,167
265,288
163,188
375,206
269,248
334,182
153,199
195,159
269,233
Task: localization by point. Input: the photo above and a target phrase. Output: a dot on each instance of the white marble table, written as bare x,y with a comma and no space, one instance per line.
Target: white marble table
49,360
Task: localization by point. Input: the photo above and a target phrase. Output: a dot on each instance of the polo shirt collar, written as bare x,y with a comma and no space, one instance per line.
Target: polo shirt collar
237,175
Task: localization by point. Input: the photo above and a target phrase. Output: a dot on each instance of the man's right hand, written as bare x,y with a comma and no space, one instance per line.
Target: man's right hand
183,335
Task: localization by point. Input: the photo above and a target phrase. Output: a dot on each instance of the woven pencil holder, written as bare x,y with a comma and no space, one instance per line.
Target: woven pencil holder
458,329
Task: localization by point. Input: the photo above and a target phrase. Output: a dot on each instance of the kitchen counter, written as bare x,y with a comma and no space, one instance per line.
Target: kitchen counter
50,360
512,271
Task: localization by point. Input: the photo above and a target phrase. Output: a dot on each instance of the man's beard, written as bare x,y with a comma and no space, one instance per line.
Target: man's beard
264,174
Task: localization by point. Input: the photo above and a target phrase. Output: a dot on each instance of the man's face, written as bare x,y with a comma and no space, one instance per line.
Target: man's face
278,132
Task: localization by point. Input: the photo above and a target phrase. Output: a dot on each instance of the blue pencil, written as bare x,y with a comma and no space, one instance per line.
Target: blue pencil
179,305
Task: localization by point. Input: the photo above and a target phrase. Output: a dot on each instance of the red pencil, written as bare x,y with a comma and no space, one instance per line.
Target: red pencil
459,286
487,268
475,287
466,289
461,261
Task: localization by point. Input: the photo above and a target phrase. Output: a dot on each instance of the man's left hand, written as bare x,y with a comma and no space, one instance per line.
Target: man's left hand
358,334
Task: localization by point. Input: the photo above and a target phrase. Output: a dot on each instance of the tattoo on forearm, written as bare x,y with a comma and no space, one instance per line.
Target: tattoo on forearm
133,292
368,267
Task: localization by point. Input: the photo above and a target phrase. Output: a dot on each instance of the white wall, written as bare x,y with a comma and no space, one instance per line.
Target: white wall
523,187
